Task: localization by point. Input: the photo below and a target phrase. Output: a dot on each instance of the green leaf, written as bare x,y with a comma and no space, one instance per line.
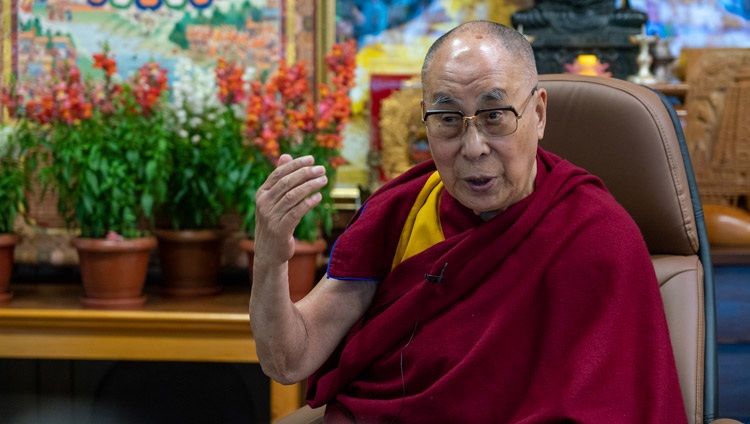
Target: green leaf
88,204
151,168
147,203
93,181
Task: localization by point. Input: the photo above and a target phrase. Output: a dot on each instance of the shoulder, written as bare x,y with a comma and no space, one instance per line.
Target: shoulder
365,250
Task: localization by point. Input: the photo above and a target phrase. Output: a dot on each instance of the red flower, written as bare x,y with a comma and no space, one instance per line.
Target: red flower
282,116
230,82
103,61
150,83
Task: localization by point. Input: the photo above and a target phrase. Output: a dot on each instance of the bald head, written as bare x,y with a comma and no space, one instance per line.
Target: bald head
517,46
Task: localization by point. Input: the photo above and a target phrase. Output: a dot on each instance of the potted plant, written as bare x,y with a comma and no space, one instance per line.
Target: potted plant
206,149
285,116
102,147
13,181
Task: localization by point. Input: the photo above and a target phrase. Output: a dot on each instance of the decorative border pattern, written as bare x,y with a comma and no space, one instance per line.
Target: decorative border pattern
8,43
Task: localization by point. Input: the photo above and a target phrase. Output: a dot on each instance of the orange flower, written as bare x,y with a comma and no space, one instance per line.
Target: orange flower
150,84
284,115
283,109
103,61
229,78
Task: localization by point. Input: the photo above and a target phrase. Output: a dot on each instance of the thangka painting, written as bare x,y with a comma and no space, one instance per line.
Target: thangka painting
251,32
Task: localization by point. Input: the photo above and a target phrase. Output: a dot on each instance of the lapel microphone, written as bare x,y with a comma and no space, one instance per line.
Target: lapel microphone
436,278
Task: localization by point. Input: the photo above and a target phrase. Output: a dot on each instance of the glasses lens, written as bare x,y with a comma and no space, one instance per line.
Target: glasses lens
445,125
497,123
493,123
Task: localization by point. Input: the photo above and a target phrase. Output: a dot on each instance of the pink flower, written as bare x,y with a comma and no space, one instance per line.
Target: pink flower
113,236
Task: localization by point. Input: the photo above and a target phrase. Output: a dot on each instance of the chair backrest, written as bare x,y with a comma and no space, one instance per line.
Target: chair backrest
630,137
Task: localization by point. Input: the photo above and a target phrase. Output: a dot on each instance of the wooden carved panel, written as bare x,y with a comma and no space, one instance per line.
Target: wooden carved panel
717,130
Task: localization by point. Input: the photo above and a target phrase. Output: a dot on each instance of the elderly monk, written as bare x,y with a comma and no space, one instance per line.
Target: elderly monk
494,283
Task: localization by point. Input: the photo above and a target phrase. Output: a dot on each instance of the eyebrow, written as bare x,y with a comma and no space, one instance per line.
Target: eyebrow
496,94
442,99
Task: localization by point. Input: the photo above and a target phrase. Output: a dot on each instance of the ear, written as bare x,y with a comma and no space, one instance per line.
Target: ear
540,111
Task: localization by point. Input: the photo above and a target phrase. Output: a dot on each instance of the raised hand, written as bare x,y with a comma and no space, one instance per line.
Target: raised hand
284,198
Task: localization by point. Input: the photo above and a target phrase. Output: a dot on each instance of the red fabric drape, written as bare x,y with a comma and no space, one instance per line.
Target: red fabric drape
549,312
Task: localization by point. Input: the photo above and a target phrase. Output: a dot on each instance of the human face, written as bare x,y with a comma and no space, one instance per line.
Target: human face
484,173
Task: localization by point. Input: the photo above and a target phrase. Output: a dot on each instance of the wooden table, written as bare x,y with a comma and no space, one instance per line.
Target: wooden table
47,321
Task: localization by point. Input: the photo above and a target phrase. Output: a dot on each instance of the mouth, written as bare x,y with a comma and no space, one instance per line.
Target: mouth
479,182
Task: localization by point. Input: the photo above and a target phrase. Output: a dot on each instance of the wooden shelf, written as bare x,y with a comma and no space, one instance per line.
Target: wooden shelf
671,89
48,321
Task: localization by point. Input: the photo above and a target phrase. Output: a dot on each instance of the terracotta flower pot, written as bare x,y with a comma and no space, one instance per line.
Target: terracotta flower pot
113,272
7,245
302,267
190,261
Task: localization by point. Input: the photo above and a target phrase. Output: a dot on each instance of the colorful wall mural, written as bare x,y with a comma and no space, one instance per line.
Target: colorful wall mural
137,31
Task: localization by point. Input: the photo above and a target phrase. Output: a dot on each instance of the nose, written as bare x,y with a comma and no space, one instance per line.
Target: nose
473,141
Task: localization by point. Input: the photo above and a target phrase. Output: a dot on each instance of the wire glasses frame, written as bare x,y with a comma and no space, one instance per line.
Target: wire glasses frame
492,122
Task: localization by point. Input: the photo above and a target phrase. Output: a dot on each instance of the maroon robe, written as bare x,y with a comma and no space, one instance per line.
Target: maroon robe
548,312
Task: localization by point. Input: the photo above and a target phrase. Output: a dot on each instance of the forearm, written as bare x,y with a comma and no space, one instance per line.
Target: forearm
279,329
293,340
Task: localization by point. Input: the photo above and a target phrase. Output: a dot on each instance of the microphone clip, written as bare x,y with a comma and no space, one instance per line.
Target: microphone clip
436,278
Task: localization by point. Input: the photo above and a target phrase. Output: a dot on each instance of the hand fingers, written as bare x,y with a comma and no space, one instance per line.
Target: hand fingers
285,166
289,193
283,159
294,180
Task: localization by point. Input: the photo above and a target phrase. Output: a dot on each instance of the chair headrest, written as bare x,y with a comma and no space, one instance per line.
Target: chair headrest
623,133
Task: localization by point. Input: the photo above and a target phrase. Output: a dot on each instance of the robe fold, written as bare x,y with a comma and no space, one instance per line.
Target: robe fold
548,312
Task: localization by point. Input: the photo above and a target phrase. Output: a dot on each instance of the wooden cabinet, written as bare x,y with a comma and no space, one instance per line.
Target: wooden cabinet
47,321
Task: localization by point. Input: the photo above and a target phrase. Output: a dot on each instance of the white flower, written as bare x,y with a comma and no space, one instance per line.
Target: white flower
194,88
238,111
195,122
248,76
195,100
181,116
5,134
195,106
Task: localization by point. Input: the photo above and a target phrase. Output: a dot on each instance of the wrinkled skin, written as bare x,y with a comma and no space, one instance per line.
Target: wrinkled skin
485,174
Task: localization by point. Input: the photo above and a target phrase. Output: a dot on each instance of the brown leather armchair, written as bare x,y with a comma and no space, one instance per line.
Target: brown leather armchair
625,134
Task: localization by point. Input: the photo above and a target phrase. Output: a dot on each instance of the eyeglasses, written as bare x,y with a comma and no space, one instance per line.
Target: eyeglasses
493,122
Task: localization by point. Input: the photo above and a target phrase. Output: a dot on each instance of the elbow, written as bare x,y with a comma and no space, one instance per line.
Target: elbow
282,375
280,366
